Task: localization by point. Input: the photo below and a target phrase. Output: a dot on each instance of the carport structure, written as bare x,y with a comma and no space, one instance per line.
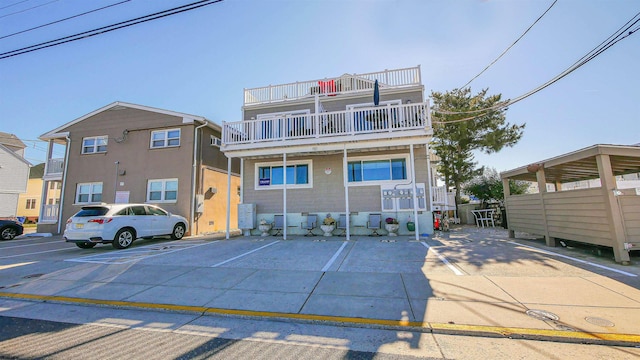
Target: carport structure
603,215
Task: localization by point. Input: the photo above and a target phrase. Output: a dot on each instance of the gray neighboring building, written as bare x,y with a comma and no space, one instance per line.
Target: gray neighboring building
126,152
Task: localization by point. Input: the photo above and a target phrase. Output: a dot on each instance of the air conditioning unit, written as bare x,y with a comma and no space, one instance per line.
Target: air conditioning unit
216,141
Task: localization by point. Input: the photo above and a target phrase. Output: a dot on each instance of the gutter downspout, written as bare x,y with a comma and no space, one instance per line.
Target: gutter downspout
193,178
64,182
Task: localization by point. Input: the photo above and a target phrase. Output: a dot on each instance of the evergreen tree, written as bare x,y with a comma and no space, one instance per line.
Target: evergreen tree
464,123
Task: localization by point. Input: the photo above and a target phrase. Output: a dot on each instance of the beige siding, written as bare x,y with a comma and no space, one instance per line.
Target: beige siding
330,103
524,213
630,204
137,159
327,193
578,215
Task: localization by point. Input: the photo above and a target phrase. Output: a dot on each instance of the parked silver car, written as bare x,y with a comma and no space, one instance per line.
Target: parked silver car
121,224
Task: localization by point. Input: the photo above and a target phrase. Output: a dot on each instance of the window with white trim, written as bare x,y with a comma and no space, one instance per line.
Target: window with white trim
87,193
165,138
378,169
162,190
94,144
271,175
31,204
216,141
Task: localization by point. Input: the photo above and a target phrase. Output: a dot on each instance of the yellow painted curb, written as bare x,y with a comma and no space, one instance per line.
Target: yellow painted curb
522,333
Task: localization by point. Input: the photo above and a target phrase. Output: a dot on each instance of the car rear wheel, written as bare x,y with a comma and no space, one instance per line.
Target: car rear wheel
178,231
8,233
124,238
85,245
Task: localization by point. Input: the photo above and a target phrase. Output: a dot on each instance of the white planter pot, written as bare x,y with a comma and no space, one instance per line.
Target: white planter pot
392,229
328,229
265,229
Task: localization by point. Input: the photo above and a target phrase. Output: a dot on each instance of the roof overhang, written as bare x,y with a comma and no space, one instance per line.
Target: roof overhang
580,165
186,118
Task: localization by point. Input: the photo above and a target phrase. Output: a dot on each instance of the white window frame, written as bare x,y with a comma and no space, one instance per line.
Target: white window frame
166,139
382,157
163,192
90,193
308,185
95,148
216,141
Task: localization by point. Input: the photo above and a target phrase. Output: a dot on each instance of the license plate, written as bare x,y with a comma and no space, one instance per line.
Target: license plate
79,226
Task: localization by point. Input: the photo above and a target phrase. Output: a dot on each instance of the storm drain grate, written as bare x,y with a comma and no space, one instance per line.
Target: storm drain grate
32,276
599,321
543,315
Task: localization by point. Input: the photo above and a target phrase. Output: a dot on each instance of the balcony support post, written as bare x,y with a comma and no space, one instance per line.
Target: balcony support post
345,177
414,191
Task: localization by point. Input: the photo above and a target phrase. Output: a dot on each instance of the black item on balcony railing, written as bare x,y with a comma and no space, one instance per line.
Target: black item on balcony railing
376,93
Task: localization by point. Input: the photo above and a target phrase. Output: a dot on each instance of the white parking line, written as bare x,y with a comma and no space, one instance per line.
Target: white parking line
131,255
443,259
335,256
245,254
574,259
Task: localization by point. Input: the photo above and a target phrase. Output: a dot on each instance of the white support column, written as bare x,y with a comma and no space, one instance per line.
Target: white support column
284,196
415,192
228,197
429,183
542,188
345,176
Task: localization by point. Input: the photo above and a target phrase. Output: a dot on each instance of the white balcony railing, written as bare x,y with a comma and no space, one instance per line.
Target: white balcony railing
347,83
55,166
353,122
442,196
50,213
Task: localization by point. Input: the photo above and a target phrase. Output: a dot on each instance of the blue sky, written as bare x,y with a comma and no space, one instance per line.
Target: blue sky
200,61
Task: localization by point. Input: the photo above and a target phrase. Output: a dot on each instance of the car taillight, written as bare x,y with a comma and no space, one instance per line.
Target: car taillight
100,221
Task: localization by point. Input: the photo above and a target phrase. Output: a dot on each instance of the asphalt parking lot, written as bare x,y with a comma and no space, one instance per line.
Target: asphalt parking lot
466,280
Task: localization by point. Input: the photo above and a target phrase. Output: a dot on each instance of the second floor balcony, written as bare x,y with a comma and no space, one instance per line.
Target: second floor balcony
54,169
364,123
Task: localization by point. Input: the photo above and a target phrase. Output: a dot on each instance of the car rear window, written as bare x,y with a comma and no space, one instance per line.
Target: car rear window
92,211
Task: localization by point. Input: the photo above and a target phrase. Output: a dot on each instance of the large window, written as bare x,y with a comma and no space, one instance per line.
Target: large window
162,190
377,170
89,193
95,144
271,175
165,138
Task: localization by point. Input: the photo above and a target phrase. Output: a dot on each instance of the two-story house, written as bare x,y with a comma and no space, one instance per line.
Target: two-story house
128,153
356,144
14,173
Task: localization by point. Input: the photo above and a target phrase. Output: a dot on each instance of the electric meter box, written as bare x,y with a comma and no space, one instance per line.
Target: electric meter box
247,216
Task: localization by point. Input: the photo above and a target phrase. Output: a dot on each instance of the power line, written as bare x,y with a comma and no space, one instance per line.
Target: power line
65,19
25,10
109,28
622,33
510,46
14,4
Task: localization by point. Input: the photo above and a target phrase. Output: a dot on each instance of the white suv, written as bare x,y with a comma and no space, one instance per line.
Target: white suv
121,224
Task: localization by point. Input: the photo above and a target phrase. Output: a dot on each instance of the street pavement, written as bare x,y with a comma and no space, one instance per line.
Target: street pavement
470,281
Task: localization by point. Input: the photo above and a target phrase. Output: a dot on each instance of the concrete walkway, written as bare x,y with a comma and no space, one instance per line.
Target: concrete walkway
469,281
